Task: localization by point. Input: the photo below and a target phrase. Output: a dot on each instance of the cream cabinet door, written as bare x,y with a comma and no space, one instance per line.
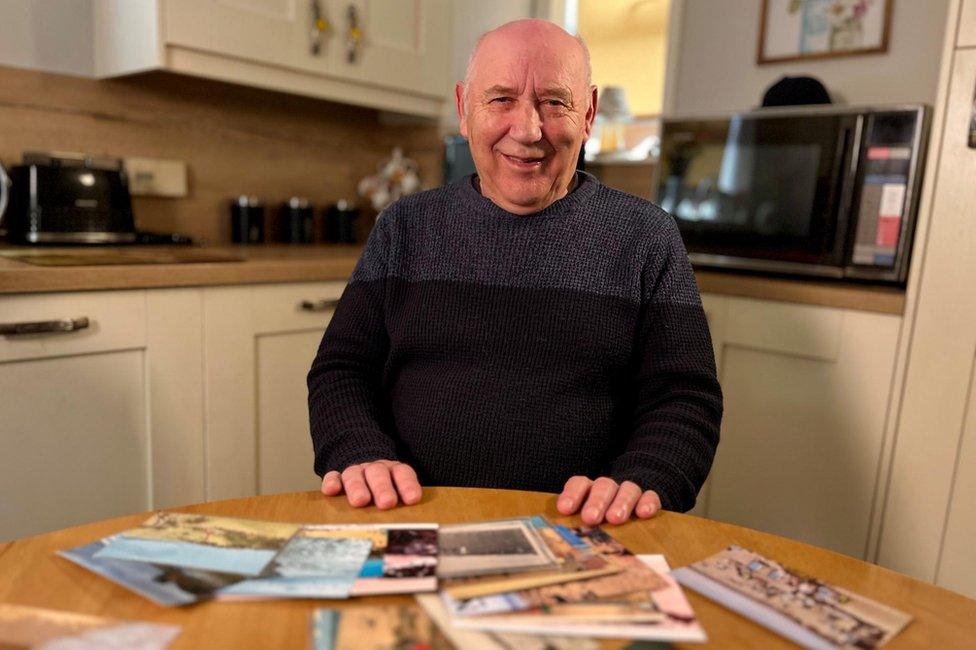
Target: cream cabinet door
275,32
74,443
806,393
957,569
405,44
716,308
259,345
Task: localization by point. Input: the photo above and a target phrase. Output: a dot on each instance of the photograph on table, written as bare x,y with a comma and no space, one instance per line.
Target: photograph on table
403,558
222,544
503,546
660,615
806,610
633,576
309,566
168,586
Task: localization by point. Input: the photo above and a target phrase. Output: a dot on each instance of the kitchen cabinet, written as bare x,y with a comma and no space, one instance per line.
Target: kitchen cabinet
403,43
390,54
401,60
260,342
716,309
74,437
807,393
168,397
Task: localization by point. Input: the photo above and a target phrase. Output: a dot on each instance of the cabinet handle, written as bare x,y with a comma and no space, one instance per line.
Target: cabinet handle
319,305
354,36
319,27
44,326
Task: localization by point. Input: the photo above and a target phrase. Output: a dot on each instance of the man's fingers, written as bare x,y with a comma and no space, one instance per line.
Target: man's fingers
601,494
331,483
354,484
573,494
648,505
623,504
406,483
381,485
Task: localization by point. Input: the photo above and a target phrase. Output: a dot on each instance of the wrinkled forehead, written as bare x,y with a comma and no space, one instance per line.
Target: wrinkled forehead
533,65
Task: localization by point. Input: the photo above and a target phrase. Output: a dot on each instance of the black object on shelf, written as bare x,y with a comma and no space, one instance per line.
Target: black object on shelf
340,223
296,222
247,220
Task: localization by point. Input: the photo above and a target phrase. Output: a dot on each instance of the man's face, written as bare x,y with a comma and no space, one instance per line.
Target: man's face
527,112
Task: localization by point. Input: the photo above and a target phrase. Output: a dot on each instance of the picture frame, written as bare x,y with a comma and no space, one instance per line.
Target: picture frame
800,30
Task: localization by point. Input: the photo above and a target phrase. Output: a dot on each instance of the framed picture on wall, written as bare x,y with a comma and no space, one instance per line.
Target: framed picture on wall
793,30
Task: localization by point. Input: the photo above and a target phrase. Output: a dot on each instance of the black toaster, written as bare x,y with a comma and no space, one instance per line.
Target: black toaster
67,199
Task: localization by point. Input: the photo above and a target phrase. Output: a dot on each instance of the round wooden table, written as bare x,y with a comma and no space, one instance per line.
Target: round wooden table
31,574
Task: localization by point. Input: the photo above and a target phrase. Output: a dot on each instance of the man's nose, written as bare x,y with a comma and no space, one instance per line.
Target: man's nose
526,124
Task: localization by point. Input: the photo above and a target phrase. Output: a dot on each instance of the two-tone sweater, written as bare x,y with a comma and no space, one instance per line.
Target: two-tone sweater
490,349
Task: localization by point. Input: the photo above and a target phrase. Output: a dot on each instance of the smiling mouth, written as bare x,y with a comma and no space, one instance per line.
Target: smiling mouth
524,163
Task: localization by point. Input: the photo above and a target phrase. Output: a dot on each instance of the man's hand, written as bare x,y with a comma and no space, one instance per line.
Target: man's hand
374,483
604,498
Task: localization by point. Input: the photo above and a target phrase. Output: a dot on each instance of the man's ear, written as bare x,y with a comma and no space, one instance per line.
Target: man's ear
591,113
459,106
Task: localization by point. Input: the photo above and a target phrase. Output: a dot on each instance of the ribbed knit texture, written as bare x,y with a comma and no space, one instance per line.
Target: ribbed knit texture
490,349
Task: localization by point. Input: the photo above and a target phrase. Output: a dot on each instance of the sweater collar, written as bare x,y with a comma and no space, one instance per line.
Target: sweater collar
586,185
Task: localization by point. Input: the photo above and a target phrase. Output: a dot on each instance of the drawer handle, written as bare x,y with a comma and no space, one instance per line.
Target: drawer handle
319,305
44,326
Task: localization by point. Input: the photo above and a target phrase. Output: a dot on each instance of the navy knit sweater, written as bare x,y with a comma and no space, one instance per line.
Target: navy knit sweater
490,349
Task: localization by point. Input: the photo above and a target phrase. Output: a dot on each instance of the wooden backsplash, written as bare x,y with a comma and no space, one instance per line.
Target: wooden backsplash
235,140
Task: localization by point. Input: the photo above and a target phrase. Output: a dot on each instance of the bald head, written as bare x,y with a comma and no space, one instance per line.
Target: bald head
540,33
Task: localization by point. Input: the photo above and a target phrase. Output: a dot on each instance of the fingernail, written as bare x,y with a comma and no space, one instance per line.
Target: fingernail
565,503
622,513
593,513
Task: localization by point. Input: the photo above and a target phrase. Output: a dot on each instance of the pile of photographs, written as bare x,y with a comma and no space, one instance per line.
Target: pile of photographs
529,576
522,582
178,559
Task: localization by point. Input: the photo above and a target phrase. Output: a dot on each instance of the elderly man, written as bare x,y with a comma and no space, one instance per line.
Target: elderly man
526,327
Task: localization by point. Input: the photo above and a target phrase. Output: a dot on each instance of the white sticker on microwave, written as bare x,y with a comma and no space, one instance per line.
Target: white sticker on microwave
892,200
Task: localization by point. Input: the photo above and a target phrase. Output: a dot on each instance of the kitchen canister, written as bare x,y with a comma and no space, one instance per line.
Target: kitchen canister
296,222
247,220
340,223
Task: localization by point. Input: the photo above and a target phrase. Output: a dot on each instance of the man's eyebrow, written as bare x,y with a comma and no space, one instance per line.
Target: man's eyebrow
559,93
501,90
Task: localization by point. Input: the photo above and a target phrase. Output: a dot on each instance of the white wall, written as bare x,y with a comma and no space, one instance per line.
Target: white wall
717,71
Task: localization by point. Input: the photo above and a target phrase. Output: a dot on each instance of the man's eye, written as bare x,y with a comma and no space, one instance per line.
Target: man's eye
554,102
501,100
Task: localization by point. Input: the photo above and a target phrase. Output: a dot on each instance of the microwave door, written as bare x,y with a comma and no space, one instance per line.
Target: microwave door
760,192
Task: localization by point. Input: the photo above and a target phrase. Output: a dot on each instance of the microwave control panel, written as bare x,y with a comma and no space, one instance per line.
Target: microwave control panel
885,176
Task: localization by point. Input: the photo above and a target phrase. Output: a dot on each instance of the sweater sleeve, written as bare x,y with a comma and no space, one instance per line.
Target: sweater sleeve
678,400
345,393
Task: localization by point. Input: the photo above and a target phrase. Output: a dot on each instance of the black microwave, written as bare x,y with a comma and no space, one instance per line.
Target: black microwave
829,191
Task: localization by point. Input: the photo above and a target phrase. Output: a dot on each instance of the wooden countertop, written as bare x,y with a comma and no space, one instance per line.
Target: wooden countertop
309,263
266,263
31,574
883,300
